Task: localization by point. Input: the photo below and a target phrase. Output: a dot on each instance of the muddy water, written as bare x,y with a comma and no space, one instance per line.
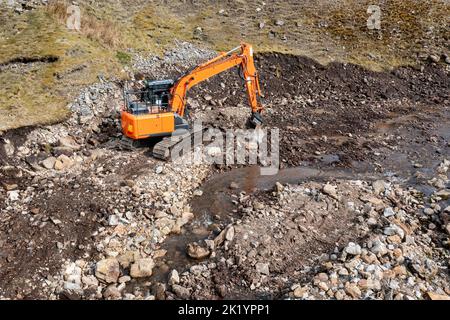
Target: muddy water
215,209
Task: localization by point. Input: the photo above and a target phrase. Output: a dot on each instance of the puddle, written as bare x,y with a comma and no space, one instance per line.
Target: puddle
214,209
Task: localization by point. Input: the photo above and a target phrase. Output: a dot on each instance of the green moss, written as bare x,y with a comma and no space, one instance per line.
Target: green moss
124,58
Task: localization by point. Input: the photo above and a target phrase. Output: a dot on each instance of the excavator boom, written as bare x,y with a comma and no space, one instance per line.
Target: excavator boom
223,62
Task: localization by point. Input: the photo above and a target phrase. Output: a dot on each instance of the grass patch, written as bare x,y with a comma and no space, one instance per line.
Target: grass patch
123,57
405,26
38,91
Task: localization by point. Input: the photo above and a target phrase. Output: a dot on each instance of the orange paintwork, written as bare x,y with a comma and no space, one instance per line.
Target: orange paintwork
221,63
147,125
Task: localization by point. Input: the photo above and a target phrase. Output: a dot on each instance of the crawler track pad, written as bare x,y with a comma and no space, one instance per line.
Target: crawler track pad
163,149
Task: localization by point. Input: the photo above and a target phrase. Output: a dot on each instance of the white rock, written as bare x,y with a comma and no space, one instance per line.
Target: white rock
174,278
330,190
186,216
113,220
69,142
198,192
394,229
279,187
9,148
388,212
124,279
63,162
72,273
378,186
378,247
229,235
443,167
72,286
55,220
210,244
13,195
353,248
49,163
262,268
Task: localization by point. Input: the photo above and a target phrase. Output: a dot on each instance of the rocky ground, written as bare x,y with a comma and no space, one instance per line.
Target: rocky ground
360,209
348,239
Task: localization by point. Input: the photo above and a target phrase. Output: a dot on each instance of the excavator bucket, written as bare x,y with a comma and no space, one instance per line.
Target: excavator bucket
256,119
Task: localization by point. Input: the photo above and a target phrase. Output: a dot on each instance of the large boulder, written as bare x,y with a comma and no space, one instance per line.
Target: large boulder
196,251
142,268
108,270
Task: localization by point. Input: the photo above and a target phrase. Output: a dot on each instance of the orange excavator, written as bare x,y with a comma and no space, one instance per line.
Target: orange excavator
159,109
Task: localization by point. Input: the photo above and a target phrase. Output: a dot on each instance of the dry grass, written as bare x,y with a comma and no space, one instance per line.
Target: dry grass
37,93
102,30
326,30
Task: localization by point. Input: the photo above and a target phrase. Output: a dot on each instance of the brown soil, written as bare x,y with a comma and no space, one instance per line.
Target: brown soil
343,102
66,213
30,249
305,100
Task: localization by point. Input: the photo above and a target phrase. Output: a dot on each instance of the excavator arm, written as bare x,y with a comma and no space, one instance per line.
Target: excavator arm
241,56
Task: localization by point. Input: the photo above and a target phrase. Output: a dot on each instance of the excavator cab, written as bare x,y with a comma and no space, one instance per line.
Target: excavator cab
157,92
154,98
147,112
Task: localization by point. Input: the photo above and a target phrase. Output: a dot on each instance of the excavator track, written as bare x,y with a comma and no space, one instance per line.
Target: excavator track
126,143
163,149
123,144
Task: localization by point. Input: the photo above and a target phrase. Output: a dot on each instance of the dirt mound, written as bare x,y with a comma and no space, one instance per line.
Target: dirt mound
325,110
